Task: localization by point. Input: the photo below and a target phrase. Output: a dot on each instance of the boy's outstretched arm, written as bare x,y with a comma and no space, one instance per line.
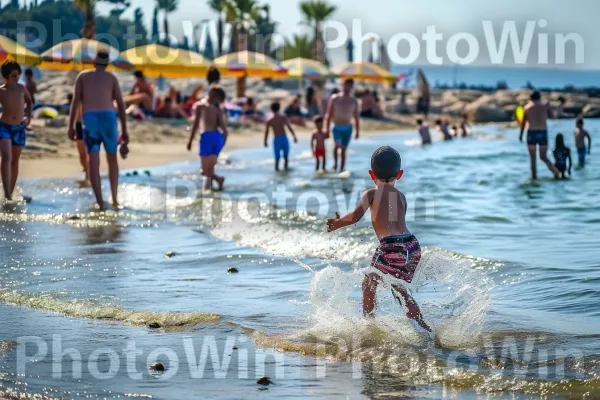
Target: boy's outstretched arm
195,127
289,126
267,127
223,126
357,120
523,124
29,104
570,161
313,142
589,138
329,117
353,217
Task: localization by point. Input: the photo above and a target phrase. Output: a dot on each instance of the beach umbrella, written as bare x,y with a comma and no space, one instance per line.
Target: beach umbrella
11,50
248,63
80,54
364,71
155,60
303,68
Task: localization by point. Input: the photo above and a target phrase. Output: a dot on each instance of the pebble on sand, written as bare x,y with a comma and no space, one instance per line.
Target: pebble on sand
154,325
157,367
264,380
170,254
232,270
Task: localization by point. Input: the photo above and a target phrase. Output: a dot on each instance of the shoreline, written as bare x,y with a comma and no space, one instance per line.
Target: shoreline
50,154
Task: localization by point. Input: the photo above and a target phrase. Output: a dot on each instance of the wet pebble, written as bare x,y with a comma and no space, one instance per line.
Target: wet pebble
157,367
232,270
170,254
264,380
154,325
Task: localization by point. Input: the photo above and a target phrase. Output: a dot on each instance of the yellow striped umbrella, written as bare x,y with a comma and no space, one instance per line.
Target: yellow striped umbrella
364,71
247,63
80,54
303,68
11,50
155,60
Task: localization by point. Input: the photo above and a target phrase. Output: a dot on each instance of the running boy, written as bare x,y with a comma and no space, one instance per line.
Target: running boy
562,154
399,252
13,98
580,136
281,145
210,117
424,132
318,144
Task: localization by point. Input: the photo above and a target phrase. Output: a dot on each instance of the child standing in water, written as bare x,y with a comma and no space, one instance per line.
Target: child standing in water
281,145
212,141
580,136
399,252
424,132
562,154
318,144
444,127
13,98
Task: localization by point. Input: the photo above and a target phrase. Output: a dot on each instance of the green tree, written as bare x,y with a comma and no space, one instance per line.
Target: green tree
155,28
167,7
140,28
218,6
260,39
88,7
315,13
301,46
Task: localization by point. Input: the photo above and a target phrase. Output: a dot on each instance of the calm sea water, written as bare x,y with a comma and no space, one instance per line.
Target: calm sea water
509,281
515,77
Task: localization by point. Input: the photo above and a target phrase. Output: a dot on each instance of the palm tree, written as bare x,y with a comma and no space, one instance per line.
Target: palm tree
89,27
316,12
300,47
168,7
242,15
218,6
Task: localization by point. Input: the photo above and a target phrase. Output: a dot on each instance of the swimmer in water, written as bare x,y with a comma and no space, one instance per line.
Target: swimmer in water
399,251
580,136
562,154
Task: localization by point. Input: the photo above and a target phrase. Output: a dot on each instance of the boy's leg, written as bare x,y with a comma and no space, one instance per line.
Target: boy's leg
532,159
343,157
369,289
544,158
207,171
318,164
6,155
14,167
220,180
83,157
94,170
413,308
113,176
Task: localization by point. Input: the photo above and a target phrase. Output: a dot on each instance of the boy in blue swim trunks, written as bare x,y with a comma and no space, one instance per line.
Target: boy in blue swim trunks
210,118
399,252
342,110
13,98
97,91
281,145
580,136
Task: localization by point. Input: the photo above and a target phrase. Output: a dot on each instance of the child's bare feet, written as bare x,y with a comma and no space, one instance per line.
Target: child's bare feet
220,180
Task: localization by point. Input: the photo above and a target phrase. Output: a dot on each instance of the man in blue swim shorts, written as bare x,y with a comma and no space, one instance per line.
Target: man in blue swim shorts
535,121
281,145
210,116
13,98
96,91
342,110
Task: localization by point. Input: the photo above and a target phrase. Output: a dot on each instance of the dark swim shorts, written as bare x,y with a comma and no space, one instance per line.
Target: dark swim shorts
398,256
16,133
539,138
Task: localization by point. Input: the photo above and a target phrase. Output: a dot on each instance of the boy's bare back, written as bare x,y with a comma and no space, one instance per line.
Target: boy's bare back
210,117
388,211
13,101
98,90
278,123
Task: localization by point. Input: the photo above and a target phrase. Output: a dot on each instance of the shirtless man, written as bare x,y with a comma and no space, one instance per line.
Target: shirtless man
281,145
210,117
342,108
13,96
142,93
30,84
536,123
96,90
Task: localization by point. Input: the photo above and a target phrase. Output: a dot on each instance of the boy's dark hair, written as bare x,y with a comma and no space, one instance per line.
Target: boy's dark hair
438,122
8,67
213,76
318,119
386,163
250,101
349,81
102,58
579,121
138,74
218,92
560,141
29,72
275,107
419,122
536,95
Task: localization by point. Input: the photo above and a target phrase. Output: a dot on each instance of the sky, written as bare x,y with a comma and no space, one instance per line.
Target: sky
388,18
